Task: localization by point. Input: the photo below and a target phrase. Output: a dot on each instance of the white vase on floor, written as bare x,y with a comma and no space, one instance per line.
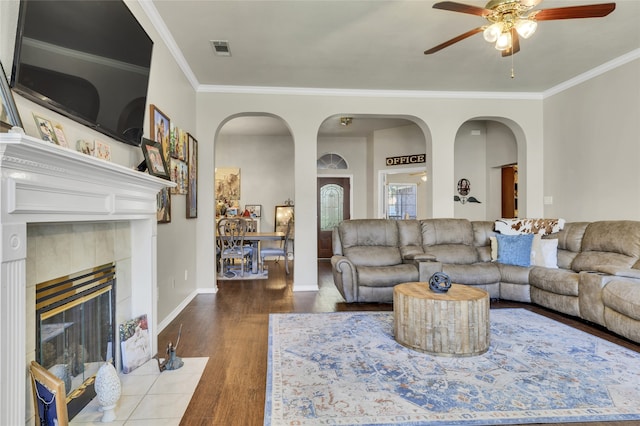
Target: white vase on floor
108,391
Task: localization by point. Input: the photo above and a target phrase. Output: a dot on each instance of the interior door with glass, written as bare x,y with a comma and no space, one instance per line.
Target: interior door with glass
334,195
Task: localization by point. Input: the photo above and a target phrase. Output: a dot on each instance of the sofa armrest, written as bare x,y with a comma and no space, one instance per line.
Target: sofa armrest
618,271
423,257
345,277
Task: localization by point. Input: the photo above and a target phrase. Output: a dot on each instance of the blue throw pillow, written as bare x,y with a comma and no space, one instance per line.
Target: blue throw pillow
515,249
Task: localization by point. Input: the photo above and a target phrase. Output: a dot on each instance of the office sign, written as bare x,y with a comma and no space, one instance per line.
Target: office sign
407,159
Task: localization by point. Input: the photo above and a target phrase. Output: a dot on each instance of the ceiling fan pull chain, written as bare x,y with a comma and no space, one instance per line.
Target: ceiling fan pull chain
512,55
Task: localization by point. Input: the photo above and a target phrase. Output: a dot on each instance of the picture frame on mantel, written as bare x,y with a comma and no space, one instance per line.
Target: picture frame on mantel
153,156
9,116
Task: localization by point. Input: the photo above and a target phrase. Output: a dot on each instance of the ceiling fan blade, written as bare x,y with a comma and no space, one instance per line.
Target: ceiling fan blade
573,12
515,45
453,40
462,8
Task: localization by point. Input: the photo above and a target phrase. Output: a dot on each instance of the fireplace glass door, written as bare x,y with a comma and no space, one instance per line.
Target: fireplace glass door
75,328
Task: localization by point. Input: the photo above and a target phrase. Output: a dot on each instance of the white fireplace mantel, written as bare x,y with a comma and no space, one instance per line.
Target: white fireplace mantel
42,182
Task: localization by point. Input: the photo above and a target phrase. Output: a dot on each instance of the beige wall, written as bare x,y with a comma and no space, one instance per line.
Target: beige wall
592,148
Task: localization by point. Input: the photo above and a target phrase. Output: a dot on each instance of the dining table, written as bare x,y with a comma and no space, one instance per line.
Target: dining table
255,238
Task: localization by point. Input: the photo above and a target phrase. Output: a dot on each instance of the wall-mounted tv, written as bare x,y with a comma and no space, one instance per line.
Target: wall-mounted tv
87,60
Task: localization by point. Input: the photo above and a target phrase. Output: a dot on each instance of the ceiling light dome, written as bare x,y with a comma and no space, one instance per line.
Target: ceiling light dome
492,32
526,27
504,41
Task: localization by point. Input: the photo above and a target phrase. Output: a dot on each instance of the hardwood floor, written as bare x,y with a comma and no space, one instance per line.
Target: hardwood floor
231,328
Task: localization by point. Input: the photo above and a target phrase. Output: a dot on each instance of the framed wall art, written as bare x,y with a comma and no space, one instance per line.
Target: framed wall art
163,212
49,396
255,210
156,164
192,186
283,215
227,183
9,116
160,130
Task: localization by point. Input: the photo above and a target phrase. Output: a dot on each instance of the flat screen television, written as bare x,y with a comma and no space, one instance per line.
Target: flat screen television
87,60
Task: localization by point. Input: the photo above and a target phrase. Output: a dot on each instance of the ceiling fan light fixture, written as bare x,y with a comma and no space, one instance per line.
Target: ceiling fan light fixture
526,27
492,32
504,41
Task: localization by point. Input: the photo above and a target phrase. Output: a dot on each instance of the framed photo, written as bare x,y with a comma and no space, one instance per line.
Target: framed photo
179,174
45,128
192,186
9,116
156,163
60,137
163,211
135,343
255,210
102,150
49,396
160,130
84,147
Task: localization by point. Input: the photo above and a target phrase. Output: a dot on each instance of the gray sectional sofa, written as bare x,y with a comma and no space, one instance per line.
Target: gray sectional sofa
597,278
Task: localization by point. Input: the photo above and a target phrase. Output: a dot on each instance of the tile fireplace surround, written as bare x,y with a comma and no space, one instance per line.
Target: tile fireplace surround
45,183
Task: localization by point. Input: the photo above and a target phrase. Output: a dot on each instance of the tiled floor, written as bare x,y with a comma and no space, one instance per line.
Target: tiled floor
150,397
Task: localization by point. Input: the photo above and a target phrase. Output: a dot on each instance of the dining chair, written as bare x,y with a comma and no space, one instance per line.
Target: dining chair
231,233
281,250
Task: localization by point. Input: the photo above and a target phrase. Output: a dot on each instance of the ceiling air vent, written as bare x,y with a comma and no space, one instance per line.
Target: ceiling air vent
221,47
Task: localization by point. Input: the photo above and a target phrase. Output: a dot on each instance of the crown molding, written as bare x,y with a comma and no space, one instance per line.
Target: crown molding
158,23
607,66
416,94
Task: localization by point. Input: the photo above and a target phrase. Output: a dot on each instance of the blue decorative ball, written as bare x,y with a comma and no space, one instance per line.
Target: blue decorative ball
440,282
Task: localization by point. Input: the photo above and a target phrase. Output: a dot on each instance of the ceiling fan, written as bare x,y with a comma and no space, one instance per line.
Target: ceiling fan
508,20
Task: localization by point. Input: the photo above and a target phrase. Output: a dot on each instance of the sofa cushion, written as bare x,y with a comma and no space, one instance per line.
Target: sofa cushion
449,240
453,253
557,281
376,276
544,252
623,296
614,243
513,274
446,231
569,242
368,232
373,255
410,237
474,274
515,249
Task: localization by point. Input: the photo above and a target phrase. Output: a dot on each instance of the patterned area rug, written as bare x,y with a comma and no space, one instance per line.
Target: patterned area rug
346,369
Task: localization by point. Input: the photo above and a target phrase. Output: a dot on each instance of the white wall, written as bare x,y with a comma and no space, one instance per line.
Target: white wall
592,148
266,171
471,164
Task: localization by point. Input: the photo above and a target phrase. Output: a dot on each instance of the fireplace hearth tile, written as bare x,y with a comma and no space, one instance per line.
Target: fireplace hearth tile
140,406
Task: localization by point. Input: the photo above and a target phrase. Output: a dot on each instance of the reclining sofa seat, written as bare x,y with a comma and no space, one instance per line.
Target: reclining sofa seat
460,251
367,261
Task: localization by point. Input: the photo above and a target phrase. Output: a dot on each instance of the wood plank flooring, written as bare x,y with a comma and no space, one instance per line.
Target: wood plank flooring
231,328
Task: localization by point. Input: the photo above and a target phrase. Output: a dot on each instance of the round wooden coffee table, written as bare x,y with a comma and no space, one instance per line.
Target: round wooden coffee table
455,323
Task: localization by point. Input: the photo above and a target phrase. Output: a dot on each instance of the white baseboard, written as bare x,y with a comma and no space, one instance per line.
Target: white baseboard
173,314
